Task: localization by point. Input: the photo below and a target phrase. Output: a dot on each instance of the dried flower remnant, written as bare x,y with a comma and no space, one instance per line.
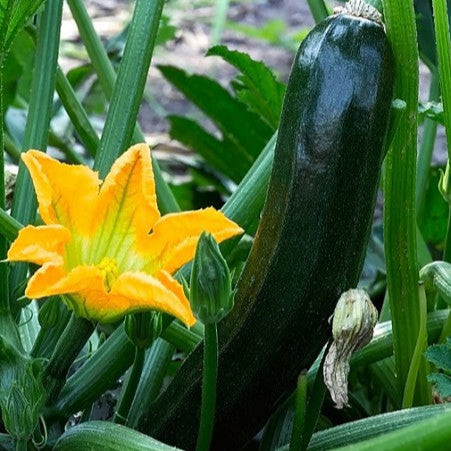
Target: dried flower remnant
352,328
105,246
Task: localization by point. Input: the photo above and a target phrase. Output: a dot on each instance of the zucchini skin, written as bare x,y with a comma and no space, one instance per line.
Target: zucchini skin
311,241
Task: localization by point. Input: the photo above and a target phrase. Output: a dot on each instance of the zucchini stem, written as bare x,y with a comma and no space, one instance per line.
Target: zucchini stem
72,340
129,390
210,370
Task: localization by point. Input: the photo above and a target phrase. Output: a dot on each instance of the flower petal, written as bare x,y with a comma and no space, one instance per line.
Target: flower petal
134,291
174,238
42,244
66,193
51,280
127,206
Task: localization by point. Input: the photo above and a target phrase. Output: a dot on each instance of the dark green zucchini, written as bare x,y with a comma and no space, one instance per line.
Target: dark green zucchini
311,241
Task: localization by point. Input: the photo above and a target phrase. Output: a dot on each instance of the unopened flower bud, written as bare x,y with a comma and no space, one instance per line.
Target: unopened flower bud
211,284
352,328
22,394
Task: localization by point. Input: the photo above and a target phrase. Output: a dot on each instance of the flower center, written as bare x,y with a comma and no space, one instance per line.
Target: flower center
110,271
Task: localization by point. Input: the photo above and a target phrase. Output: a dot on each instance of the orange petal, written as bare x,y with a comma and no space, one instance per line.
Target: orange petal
51,280
127,205
174,238
134,291
66,193
42,244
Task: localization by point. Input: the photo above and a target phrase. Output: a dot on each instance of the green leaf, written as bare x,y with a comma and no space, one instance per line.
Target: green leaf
274,31
166,32
432,220
256,86
442,383
220,155
440,355
242,127
14,15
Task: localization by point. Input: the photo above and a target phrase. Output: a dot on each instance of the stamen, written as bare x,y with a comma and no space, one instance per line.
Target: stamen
110,270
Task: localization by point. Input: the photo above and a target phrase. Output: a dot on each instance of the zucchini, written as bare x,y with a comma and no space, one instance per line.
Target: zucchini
312,237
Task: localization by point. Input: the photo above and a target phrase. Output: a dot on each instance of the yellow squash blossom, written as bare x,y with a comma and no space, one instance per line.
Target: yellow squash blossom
105,246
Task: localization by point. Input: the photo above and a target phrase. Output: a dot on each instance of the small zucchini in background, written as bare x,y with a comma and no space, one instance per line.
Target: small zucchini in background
311,241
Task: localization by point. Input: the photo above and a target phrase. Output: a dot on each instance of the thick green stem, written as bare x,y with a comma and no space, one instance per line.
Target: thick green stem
105,71
5,308
38,121
155,368
130,387
210,370
443,39
399,207
129,86
67,349
76,113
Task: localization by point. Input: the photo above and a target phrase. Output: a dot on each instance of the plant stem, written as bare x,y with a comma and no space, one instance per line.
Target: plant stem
318,9
9,227
300,407
155,367
76,113
222,7
210,370
107,76
5,307
129,390
67,349
38,122
21,444
399,207
420,347
444,65
98,374
129,86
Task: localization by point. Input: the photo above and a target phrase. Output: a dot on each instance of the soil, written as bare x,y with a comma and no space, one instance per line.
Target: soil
193,21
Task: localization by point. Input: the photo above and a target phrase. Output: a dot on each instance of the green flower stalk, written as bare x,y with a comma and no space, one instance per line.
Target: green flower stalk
211,300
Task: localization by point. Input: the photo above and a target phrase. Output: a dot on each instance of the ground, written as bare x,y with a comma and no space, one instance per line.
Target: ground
193,22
